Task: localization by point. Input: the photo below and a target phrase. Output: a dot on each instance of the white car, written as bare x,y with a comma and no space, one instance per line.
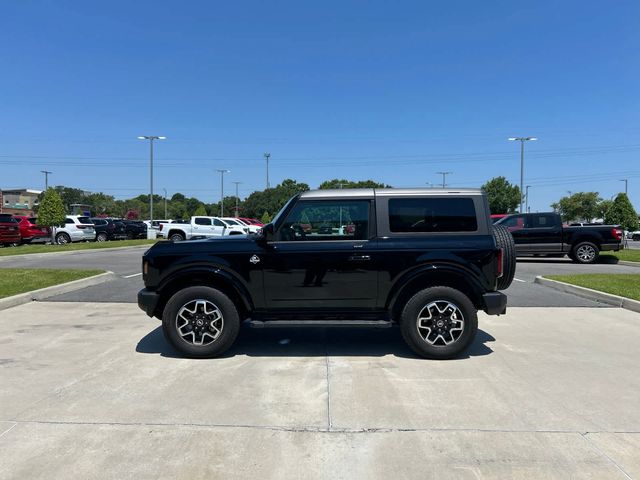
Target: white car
199,227
76,228
245,226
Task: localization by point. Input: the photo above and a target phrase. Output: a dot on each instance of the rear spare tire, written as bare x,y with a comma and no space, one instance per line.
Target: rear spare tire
504,240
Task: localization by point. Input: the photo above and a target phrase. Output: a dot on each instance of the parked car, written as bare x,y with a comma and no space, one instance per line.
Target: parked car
109,229
30,231
247,227
545,234
9,230
200,227
497,216
252,221
428,260
135,229
76,228
634,235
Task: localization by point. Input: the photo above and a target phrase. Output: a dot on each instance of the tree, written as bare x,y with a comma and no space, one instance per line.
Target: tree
503,196
271,199
584,206
622,213
266,218
51,212
201,211
336,183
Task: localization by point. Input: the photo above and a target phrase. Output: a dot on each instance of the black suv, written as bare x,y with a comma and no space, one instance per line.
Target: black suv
109,229
425,259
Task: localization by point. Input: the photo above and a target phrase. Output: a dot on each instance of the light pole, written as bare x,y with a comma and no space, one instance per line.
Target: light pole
527,198
444,177
626,182
267,155
222,172
46,179
236,184
151,138
522,140
165,203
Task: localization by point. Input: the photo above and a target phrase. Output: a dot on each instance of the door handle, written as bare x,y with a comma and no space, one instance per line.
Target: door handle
359,258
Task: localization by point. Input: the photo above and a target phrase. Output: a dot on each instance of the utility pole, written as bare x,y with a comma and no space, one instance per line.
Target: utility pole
151,138
237,198
165,203
626,182
222,172
46,179
522,140
444,177
267,155
527,198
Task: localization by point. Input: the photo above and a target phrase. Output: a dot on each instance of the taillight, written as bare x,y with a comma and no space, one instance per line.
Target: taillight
617,233
160,228
499,259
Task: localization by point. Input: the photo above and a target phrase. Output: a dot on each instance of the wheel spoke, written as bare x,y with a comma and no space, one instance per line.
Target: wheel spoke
440,323
199,322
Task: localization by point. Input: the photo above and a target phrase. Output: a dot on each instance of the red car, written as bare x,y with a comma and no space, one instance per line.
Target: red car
9,230
252,221
30,231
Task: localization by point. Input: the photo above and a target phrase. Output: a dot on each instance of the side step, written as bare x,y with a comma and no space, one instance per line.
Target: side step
320,323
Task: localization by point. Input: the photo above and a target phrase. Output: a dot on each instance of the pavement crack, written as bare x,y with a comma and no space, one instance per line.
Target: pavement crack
328,378
595,447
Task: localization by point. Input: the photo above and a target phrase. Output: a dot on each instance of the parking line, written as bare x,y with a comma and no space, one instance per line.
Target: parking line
518,280
131,276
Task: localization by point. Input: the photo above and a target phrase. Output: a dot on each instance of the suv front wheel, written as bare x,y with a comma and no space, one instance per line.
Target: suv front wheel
439,322
201,322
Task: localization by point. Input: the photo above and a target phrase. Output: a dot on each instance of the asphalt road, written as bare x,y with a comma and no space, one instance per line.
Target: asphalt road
126,263
92,390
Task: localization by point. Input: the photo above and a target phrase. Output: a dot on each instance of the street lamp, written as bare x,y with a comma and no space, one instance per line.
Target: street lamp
222,172
527,197
626,182
151,138
444,177
522,140
46,179
237,183
165,203
267,155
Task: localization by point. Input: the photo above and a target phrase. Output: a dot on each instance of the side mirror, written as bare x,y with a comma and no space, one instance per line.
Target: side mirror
267,233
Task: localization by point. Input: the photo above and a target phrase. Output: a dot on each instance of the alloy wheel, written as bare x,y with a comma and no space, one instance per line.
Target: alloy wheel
199,322
440,323
586,253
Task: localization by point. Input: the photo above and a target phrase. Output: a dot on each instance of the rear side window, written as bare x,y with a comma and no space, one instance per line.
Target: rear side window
84,220
202,221
432,215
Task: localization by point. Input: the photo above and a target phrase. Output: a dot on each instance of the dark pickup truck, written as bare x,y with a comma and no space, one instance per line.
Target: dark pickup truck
545,234
427,260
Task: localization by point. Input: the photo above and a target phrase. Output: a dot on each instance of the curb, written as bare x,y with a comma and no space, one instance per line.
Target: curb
53,290
88,250
588,293
628,264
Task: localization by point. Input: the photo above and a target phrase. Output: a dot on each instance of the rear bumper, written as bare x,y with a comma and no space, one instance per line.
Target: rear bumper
147,301
495,303
611,247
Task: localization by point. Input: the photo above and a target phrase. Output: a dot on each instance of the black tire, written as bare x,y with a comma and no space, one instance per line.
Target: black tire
635,237
504,240
229,326
102,237
63,238
440,296
585,253
176,237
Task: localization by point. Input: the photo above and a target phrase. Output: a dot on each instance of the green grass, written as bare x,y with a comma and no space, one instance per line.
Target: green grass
624,285
20,280
22,249
627,255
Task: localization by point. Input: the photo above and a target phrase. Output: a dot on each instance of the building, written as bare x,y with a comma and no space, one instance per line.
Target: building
18,201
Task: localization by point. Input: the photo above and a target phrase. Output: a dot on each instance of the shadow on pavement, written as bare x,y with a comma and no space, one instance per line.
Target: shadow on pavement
305,342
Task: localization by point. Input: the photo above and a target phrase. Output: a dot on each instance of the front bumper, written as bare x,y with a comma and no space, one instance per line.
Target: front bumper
148,300
495,303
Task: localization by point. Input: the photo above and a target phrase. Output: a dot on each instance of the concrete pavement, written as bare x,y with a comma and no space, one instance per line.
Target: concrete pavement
93,391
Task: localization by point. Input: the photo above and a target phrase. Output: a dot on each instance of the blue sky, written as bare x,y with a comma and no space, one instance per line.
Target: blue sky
393,91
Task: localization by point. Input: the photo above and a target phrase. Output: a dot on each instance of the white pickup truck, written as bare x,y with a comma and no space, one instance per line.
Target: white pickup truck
199,227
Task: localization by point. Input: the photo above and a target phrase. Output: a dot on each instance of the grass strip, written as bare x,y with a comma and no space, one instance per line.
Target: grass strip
20,280
621,284
627,255
22,249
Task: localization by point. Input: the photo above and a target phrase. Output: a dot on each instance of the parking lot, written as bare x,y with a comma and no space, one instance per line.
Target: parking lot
549,390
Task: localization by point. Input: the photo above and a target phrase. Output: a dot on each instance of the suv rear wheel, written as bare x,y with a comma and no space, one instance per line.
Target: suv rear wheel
439,322
63,238
200,322
504,240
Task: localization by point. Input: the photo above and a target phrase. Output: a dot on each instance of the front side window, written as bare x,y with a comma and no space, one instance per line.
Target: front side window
513,222
219,223
326,220
408,215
